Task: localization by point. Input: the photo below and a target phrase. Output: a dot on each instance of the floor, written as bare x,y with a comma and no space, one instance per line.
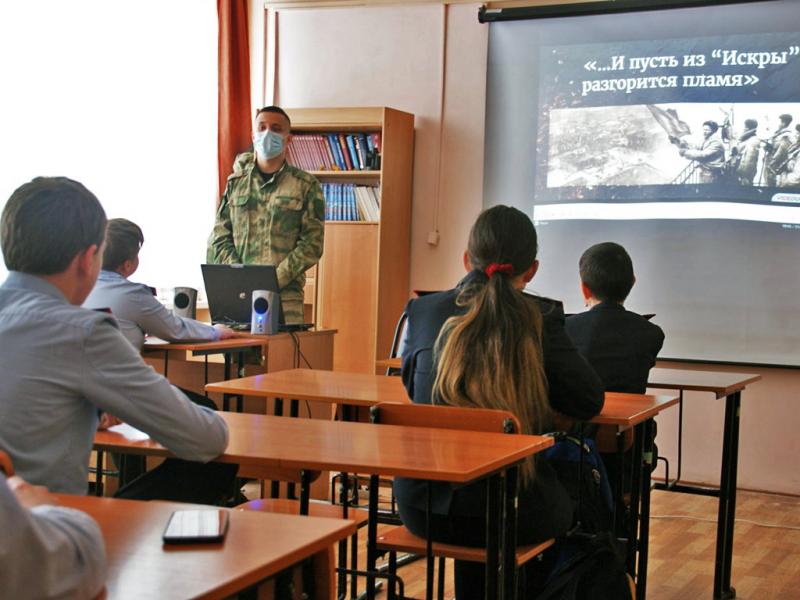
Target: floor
766,561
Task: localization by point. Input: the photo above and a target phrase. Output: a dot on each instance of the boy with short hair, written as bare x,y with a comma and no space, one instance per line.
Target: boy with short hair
620,345
60,364
137,311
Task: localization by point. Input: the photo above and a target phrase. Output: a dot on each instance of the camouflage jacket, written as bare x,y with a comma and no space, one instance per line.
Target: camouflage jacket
278,222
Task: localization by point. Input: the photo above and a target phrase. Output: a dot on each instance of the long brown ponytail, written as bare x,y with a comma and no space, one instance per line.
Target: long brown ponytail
491,356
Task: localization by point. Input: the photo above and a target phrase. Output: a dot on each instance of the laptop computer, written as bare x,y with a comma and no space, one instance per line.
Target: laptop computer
229,289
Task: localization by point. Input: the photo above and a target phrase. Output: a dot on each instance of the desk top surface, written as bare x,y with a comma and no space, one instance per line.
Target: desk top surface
628,410
720,383
257,546
354,389
315,444
244,340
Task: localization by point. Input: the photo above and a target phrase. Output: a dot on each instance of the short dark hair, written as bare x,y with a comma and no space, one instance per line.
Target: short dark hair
751,124
47,222
274,109
712,125
785,118
607,270
123,240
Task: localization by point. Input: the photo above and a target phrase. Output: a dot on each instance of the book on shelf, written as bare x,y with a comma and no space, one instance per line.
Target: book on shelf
351,202
335,152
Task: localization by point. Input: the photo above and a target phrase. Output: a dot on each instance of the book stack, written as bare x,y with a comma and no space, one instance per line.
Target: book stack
350,202
335,151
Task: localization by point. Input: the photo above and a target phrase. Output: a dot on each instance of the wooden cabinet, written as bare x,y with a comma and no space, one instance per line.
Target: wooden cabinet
361,285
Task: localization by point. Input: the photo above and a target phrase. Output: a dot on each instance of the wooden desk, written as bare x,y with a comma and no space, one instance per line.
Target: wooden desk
257,547
392,365
335,387
625,411
279,351
309,444
730,387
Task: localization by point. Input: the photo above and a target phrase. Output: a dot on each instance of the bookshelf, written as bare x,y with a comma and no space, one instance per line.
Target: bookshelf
361,284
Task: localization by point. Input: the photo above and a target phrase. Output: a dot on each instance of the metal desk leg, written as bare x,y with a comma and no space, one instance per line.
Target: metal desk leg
98,477
510,534
727,499
294,413
275,486
636,487
428,544
240,374
493,511
372,536
344,497
670,485
226,398
644,514
619,487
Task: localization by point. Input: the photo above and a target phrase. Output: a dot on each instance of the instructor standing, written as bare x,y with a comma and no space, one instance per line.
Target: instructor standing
271,213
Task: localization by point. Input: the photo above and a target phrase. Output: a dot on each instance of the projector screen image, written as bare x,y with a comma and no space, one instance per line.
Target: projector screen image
676,133
700,119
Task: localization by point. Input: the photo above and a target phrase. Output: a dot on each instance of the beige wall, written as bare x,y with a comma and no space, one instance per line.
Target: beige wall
392,56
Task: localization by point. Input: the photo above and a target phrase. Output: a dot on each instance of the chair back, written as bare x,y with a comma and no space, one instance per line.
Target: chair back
445,417
398,339
5,464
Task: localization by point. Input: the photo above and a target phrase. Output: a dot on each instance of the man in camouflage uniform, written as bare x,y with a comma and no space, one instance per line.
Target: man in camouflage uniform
271,213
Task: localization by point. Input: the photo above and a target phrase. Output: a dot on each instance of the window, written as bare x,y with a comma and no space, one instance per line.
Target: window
122,97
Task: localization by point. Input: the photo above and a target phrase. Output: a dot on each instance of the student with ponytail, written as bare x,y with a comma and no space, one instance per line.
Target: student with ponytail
487,344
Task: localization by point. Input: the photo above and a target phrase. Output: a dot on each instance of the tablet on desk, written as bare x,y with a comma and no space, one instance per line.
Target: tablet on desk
196,527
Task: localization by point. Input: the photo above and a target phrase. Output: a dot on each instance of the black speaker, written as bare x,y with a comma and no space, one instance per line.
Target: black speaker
266,311
185,302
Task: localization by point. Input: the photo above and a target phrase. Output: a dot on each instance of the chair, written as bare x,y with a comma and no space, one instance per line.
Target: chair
400,539
398,341
5,464
304,506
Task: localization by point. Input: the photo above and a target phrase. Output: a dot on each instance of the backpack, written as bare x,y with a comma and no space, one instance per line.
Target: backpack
590,564
581,471
588,568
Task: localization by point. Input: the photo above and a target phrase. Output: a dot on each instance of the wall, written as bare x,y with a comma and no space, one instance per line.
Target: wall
391,56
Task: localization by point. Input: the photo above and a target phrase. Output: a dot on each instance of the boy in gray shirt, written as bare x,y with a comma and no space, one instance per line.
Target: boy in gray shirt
60,364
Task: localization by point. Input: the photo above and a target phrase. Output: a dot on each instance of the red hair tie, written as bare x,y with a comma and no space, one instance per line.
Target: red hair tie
504,268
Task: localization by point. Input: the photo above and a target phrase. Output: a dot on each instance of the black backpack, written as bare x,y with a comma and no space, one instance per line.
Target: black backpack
590,564
588,568
581,471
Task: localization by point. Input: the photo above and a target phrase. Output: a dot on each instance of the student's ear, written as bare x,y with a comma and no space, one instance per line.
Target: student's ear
634,281
86,258
528,275
467,264
587,293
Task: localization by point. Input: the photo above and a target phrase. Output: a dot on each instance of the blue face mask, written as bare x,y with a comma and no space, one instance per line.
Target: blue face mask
268,144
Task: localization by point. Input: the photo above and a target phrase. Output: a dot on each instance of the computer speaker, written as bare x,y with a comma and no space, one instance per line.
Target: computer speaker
185,302
266,312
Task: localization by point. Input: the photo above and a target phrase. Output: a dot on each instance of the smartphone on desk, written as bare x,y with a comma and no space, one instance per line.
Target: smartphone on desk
196,527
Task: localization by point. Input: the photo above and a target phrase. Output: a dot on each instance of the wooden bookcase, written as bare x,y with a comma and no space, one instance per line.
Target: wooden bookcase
361,284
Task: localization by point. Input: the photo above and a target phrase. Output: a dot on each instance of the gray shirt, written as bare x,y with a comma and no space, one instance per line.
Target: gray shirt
138,312
59,364
49,551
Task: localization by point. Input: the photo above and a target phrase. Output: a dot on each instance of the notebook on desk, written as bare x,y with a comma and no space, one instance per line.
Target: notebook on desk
229,289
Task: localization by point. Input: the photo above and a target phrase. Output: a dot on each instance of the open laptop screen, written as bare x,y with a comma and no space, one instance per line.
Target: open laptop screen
229,289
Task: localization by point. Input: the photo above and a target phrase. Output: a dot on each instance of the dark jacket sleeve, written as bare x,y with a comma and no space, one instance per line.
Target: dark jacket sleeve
574,388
